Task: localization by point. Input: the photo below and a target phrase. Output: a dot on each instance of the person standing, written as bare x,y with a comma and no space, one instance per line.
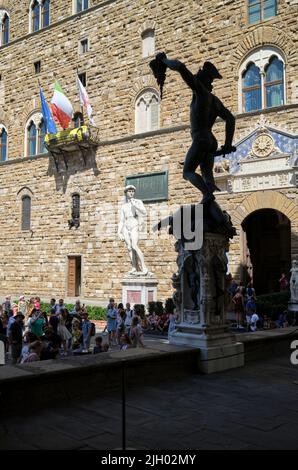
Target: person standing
86,331
112,321
128,318
15,336
238,302
283,282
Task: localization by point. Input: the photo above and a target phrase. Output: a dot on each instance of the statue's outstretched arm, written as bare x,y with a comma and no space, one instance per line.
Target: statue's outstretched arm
178,66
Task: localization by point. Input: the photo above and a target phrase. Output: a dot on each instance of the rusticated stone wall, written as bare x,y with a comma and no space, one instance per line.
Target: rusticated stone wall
193,31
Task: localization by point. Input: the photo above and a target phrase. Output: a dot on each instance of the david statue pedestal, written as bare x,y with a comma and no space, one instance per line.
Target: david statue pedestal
139,285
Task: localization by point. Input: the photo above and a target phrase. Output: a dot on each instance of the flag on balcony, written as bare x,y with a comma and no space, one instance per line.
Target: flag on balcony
61,107
85,100
47,115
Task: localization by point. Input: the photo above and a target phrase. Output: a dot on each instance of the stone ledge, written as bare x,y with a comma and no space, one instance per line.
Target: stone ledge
267,343
28,387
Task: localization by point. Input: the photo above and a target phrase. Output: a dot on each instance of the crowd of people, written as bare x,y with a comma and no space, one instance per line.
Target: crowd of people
30,334
243,300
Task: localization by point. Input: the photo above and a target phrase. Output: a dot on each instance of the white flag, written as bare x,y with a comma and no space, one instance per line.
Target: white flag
85,100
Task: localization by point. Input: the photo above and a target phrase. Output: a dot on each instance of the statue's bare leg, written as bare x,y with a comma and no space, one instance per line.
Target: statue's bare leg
127,239
206,166
194,157
134,244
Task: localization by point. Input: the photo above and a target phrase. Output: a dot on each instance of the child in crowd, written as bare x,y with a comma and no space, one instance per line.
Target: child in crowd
98,348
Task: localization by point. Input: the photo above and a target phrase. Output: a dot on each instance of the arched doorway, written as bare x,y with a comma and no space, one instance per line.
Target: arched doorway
266,244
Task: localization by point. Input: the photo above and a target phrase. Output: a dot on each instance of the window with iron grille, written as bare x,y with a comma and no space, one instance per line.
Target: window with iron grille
26,213
75,211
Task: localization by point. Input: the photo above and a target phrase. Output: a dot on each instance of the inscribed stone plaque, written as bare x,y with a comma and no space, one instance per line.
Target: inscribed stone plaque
150,187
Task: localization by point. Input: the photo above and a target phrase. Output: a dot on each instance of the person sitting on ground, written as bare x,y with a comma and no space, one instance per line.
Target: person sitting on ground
152,320
28,339
282,320
98,348
34,352
125,342
52,344
254,321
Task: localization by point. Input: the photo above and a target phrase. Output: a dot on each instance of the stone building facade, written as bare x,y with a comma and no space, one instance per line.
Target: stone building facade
258,182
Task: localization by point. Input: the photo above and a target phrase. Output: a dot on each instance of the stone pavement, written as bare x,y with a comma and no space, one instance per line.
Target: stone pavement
255,407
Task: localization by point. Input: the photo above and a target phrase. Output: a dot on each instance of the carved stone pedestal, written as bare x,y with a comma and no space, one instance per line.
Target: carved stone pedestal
200,303
139,289
293,303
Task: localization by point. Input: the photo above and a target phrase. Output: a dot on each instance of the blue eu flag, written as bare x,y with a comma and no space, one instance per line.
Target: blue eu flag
47,115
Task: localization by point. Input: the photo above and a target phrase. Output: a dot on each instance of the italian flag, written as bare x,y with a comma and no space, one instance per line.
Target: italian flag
61,107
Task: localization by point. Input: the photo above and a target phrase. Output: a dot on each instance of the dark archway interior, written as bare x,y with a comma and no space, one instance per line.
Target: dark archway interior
268,250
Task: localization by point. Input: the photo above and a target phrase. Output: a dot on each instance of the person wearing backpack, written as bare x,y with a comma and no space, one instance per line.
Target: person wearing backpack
250,292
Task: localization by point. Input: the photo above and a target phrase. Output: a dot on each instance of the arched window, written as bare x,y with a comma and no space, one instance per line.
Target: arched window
274,83
147,111
148,43
81,5
4,28
45,13
26,213
39,14
35,136
3,144
262,80
35,16
78,120
251,88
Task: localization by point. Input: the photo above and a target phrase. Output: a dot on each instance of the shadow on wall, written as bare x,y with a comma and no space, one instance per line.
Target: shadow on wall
63,166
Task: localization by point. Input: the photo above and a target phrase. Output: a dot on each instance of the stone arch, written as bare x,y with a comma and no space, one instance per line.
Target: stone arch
5,5
261,36
28,111
25,191
148,24
140,85
266,200
4,121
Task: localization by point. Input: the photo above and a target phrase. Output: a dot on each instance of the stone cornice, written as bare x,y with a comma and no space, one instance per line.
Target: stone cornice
166,130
